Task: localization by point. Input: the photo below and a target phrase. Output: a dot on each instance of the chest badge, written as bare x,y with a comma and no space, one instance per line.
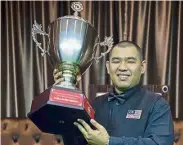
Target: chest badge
134,114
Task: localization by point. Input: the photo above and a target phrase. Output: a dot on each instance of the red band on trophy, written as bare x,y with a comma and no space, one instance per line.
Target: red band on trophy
66,97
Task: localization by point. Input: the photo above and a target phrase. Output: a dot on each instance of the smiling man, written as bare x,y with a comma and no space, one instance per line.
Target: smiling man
130,114
125,66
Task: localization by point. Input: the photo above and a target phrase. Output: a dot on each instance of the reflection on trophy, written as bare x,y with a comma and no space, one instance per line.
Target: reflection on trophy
71,47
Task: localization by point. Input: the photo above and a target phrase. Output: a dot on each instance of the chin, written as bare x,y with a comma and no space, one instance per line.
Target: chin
124,86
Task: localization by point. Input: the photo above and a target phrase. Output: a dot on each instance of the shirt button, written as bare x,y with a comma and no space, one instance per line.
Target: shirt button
117,103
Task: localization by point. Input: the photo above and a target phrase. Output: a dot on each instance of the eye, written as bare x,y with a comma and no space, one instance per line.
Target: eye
131,61
115,61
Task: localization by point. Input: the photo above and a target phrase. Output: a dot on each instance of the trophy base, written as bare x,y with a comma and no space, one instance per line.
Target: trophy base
56,109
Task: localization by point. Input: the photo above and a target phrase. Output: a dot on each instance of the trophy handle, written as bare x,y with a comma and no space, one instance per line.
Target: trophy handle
108,41
36,29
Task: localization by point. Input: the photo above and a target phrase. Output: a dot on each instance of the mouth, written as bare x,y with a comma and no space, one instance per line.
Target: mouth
123,77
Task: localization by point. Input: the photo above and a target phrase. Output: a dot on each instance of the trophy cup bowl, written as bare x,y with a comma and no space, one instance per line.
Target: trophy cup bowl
71,48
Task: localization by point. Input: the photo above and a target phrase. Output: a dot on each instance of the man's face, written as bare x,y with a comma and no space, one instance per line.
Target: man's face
125,67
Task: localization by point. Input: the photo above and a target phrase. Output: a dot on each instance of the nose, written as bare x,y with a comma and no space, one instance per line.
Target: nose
123,66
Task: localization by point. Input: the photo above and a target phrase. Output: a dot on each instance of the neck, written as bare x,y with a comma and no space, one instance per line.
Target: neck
119,91
122,90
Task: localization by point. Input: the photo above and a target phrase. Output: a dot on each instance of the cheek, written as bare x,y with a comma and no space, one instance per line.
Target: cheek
136,73
112,73
113,69
135,70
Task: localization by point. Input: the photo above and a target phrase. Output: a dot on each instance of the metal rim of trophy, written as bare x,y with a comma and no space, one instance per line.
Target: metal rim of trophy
74,17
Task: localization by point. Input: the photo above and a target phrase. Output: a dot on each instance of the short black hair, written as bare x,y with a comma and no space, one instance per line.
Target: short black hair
127,43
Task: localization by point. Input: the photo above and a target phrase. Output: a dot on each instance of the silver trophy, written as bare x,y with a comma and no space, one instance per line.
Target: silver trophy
72,44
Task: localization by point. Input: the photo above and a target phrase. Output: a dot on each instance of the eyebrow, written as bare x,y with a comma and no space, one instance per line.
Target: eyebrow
131,58
125,58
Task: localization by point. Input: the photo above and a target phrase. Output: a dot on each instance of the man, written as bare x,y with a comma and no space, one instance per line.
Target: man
130,115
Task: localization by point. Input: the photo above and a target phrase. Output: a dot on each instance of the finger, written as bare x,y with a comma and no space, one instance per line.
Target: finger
78,78
58,81
96,124
85,125
58,75
55,71
81,128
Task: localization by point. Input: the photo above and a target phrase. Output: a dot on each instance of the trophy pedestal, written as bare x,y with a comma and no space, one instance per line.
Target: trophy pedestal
56,109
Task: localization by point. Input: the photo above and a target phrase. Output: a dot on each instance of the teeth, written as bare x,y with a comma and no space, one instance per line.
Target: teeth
123,77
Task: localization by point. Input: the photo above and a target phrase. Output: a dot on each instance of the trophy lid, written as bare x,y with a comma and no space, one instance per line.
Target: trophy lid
76,7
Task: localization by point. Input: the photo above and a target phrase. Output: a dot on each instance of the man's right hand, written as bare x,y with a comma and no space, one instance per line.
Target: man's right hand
58,77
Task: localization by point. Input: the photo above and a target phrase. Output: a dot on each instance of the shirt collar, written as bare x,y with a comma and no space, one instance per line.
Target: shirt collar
121,98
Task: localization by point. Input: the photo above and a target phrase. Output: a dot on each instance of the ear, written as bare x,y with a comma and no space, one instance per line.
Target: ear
107,66
143,66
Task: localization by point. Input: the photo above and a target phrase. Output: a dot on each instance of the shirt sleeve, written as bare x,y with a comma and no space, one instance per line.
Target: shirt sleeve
159,129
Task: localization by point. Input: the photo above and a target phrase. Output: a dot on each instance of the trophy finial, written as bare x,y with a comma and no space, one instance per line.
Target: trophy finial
77,7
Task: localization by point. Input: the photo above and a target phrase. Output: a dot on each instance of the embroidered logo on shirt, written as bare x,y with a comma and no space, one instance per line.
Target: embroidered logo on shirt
134,114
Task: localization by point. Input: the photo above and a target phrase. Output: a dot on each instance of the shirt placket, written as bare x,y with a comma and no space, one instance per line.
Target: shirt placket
110,117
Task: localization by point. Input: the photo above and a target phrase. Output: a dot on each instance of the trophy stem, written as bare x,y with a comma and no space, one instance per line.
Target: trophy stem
70,71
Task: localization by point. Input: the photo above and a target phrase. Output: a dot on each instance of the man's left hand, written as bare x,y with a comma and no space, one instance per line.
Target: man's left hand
93,137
